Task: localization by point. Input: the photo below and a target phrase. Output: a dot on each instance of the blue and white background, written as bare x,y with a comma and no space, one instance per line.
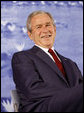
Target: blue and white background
68,17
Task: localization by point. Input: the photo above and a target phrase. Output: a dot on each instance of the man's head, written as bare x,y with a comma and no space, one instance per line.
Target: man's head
41,28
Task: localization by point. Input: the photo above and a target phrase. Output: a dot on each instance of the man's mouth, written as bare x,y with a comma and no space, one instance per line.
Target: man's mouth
46,36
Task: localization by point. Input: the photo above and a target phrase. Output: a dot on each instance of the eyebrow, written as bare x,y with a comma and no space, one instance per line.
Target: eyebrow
42,24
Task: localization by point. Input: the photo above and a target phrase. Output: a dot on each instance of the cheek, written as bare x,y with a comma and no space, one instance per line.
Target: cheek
54,32
37,34
34,35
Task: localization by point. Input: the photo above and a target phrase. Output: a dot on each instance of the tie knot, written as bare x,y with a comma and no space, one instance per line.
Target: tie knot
50,50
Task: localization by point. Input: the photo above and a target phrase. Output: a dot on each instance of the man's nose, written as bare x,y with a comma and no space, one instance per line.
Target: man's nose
44,29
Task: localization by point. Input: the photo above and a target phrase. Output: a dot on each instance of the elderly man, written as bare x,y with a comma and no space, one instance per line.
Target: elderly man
45,80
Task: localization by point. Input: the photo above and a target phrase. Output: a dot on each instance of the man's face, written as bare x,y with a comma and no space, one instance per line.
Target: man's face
43,31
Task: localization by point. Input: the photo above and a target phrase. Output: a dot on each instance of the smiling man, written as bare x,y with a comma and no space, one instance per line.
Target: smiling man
43,30
45,80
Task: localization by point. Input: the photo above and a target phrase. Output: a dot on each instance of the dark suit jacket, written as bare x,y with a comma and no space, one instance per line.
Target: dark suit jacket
42,87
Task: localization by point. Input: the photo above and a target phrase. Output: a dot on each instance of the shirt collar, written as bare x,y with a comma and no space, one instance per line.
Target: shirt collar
44,49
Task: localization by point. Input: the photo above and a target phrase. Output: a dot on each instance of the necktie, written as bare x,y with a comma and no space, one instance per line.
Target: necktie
57,61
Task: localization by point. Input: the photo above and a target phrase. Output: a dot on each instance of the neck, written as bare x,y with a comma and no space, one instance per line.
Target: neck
46,47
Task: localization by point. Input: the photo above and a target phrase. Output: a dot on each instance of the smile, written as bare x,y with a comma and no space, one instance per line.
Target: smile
46,36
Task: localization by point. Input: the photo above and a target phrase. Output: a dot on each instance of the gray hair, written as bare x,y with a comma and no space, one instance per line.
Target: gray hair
28,25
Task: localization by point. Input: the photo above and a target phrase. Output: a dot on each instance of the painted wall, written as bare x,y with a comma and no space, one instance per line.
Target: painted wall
69,35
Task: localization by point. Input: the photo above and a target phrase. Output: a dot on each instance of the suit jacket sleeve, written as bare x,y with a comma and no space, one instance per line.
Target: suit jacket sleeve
37,93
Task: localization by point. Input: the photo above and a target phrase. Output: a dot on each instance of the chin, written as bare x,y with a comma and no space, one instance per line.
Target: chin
49,46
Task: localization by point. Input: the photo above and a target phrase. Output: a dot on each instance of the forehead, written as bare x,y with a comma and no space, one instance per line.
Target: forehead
40,19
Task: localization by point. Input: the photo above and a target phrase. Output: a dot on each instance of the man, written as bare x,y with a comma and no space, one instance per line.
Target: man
45,80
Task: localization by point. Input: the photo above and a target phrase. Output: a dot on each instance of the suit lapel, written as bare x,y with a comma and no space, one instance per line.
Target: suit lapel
69,72
48,61
40,53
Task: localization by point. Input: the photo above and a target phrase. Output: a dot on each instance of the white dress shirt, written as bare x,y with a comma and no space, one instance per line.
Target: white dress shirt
46,51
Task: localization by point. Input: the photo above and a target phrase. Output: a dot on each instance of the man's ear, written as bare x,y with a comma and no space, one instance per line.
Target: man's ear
55,29
30,35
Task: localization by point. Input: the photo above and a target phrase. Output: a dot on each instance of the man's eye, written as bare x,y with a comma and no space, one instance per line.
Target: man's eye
48,25
38,27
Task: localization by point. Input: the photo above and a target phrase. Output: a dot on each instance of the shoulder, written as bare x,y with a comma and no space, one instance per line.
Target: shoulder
24,56
20,53
32,50
62,57
70,63
21,56
67,60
